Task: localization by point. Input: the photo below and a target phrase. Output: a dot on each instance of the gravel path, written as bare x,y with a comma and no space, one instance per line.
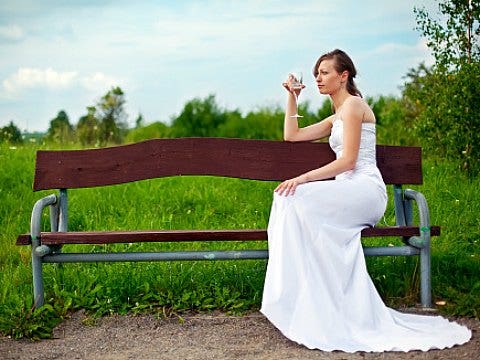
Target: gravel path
199,336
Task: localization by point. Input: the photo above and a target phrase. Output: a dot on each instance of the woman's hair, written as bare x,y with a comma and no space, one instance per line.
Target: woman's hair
342,63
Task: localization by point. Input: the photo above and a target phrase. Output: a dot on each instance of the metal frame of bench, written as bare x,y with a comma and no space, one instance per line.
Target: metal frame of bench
237,158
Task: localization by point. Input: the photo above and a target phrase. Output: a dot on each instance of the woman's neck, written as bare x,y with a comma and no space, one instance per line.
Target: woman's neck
339,98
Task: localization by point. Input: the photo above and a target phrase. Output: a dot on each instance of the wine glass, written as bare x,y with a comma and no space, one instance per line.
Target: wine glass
296,84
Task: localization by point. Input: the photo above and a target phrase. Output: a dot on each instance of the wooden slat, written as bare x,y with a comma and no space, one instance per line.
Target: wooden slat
400,164
241,158
398,231
24,239
108,237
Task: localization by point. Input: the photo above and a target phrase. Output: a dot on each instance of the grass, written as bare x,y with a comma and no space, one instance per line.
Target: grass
208,203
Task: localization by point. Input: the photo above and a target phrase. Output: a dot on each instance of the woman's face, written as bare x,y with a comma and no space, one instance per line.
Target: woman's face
329,81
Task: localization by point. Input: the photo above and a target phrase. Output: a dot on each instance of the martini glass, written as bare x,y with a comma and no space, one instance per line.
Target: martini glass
296,85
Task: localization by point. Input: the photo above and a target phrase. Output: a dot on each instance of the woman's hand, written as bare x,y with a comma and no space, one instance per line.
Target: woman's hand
292,85
288,187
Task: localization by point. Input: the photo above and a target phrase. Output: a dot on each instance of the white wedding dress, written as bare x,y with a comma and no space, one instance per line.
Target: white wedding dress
317,289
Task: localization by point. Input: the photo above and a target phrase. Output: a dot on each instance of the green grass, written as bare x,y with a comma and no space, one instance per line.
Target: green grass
207,203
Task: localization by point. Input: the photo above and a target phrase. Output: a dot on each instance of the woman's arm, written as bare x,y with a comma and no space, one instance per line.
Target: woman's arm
291,131
352,115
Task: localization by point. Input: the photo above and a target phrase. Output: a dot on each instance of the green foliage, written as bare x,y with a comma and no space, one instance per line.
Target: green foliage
325,110
454,38
60,130
139,121
205,118
265,123
88,128
20,319
11,134
112,117
394,126
200,118
151,131
414,88
166,287
447,123
444,99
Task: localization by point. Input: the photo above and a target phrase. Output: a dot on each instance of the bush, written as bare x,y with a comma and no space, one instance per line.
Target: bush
151,131
11,134
449,124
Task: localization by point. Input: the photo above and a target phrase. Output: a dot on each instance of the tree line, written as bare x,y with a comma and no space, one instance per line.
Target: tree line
438,108
105,124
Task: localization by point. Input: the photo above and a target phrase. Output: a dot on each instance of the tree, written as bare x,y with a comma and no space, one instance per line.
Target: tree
448,123
263,123
445,97
140,121
112,117
88,128
455,39
11,134
394,127
325,110
60,130
199,118
150,131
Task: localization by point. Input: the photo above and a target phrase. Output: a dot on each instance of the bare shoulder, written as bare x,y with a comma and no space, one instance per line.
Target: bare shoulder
353,107
355,103
356,107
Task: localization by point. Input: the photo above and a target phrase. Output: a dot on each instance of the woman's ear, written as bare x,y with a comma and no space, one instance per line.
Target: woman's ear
344,76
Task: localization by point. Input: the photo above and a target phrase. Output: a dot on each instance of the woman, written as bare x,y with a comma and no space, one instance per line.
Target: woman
317,290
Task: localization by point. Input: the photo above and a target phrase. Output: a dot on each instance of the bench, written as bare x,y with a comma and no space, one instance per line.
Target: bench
236,158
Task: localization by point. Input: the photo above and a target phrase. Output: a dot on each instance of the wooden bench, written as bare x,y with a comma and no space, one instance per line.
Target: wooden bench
236,158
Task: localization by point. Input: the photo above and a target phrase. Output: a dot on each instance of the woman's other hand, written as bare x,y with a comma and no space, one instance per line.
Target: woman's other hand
289,186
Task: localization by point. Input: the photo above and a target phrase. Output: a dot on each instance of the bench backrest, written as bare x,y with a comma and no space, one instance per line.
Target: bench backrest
239,158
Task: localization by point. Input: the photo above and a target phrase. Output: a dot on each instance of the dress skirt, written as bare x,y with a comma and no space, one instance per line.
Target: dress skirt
317,289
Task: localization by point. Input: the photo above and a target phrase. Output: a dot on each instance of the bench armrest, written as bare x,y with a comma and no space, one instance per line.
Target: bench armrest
36,219
423,240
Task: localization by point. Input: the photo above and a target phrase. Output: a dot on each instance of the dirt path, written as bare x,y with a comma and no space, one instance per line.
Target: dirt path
214,336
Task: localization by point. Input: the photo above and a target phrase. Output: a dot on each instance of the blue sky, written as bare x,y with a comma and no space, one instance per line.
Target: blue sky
64,55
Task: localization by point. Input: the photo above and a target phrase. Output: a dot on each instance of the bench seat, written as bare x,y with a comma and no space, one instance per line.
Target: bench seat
114,237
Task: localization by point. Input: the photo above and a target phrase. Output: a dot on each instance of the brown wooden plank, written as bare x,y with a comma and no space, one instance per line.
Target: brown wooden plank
400,164
241,158
397,231
24,239
107,237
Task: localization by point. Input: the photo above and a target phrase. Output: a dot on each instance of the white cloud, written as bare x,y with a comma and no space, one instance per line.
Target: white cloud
412,54
11,33
35,78
99,82
27,78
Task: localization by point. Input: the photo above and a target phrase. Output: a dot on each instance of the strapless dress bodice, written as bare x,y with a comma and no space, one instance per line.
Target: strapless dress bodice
366,161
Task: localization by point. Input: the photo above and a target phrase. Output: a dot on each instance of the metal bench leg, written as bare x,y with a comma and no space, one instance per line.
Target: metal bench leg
422,242
425,277
37,273
35,226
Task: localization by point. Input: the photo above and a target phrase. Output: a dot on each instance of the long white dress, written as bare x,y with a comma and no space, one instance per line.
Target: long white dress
317,289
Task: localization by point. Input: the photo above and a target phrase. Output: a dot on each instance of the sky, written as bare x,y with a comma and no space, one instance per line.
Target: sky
65,55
